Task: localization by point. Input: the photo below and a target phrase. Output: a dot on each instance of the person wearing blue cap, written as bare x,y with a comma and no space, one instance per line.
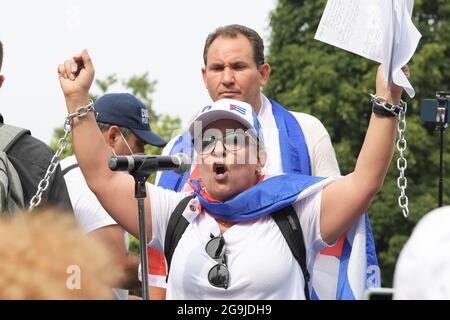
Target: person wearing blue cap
127,111
232,213
125,126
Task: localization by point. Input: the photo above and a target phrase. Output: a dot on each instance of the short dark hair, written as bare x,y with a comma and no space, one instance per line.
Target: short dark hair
105,126
1,55
232,31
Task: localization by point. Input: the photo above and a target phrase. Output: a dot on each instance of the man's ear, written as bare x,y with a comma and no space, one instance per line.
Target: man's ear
264,71
204,76
112,135
2,78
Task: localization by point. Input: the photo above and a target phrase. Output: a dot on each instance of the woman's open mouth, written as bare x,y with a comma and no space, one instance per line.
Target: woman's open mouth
220,171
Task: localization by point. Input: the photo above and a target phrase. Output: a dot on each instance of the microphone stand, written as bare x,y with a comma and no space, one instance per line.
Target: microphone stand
140,176
140,171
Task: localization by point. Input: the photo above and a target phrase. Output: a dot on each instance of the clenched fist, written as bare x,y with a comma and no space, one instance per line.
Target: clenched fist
75,77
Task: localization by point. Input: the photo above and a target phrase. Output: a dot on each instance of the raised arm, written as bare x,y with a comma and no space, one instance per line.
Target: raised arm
346,199
114,190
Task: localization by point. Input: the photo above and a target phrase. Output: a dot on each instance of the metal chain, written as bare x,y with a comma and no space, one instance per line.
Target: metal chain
402,182
62,144
44,183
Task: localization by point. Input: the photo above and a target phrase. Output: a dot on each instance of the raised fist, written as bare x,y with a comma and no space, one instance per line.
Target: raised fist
75,77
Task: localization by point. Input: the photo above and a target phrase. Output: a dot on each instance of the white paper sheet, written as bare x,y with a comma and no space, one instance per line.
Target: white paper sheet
379,30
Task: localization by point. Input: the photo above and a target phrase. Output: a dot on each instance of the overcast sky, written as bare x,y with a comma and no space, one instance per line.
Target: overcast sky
128,38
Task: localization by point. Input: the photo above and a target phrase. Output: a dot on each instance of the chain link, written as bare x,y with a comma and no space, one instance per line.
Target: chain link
44,183
62,144
394,109
402,182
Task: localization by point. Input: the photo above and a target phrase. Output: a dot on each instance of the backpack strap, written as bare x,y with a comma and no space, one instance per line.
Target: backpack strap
10,187
10,180
9,135
175,229
289,224
67,169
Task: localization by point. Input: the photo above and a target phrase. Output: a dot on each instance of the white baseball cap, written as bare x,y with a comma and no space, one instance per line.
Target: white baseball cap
423,267
231,109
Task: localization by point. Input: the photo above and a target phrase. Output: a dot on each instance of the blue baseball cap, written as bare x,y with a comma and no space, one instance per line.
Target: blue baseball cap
125,110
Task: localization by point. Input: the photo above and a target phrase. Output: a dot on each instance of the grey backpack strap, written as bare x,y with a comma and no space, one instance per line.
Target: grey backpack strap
10,185
9,135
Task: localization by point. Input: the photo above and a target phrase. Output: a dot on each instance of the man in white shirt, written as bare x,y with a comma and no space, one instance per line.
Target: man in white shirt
124,122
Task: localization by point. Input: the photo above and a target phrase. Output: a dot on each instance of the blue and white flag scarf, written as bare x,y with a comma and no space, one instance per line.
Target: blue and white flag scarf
342,272
262,199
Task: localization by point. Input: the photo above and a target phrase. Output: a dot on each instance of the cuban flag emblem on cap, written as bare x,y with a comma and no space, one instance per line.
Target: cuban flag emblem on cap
237,108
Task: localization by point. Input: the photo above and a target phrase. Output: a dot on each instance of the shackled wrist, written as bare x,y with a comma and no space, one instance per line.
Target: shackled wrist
79,113
82,111
382,107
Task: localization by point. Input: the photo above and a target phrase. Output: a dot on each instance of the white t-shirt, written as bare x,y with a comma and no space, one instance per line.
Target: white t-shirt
259,260
88,211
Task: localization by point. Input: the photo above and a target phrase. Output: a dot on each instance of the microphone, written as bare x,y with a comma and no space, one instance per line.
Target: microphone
178,163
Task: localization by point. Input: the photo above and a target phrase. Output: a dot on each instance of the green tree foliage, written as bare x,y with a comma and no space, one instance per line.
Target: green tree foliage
334,85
